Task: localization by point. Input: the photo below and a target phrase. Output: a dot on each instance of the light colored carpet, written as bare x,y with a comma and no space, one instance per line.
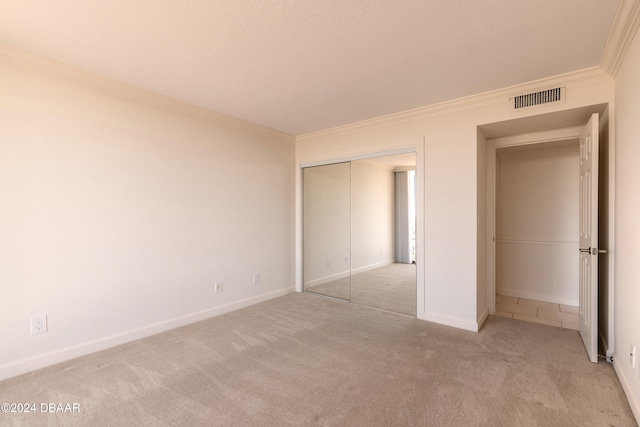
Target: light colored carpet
392,287
302,360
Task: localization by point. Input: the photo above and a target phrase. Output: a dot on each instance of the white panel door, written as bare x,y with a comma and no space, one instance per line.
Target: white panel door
588,273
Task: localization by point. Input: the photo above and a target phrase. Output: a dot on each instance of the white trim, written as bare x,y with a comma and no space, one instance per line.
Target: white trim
326,279
624,28
632,398
41,361
372,266
533,138
483,317
68,74
362,156
491,97
342,275
450,321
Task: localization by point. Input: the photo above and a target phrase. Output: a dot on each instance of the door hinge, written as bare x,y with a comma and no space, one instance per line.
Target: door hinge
608,359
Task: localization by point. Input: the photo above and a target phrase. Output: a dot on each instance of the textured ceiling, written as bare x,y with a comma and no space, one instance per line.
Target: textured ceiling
300,65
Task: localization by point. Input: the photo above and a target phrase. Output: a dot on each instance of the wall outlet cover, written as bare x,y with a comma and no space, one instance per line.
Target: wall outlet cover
39,324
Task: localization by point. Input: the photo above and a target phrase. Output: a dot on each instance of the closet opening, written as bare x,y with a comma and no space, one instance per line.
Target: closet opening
537,212
548,216
359,231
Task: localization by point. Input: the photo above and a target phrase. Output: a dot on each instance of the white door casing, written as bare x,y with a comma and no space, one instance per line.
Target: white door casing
588,264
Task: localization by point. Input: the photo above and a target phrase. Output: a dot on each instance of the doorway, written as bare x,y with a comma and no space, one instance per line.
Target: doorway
541,132
537,207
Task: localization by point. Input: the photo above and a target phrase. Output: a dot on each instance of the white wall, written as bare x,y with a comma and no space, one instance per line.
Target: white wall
372,234
627,231
537,223
448,293
119,209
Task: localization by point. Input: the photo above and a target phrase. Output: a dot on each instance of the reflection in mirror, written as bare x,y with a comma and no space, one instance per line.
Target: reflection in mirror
383,269
360,232
327,230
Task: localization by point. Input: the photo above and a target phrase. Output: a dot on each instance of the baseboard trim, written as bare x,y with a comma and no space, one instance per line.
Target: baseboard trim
516,293
44,360
372,266
632,398
342,275
450,321
327,279
483,317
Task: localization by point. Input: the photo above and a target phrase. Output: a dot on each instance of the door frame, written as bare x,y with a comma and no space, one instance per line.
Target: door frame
413,145
535,138
508,130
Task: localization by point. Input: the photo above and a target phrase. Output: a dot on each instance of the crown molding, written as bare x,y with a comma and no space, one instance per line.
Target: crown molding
490,97
55,70
77,77
624,28
73,75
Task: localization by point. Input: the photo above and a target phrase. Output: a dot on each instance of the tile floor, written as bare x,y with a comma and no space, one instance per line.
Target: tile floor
562,316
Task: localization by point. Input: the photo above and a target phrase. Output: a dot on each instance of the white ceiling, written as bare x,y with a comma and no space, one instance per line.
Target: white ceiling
306,65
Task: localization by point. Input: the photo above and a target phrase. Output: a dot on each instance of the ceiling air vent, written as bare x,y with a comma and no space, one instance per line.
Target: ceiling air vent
537,98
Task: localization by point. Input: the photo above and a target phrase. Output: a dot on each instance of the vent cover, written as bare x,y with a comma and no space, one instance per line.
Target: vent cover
537,98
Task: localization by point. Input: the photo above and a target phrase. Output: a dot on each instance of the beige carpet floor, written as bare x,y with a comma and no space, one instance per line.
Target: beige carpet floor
302,360
392,287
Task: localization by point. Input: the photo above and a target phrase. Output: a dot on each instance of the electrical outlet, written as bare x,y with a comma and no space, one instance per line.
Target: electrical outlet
256,278
39,324
328,262
632,355
217,287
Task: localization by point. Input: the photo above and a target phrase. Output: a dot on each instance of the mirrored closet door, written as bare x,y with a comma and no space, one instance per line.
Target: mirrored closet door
359,232
327,230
